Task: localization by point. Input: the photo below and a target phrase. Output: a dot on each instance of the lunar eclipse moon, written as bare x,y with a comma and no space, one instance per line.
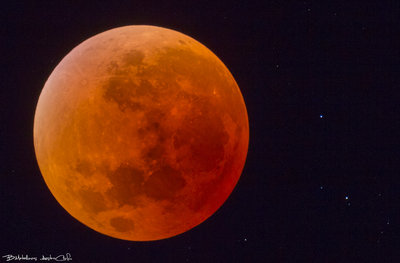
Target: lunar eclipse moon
141,133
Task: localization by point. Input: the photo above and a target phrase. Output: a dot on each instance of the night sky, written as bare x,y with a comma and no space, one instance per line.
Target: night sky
321,84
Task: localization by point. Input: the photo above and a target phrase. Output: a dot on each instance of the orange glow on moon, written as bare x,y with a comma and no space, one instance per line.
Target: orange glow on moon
141,133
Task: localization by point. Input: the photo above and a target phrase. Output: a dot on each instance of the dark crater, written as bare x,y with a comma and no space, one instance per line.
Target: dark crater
92,201
164,184
134,58
127,182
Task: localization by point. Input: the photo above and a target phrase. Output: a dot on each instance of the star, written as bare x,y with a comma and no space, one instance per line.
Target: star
346,197
321,116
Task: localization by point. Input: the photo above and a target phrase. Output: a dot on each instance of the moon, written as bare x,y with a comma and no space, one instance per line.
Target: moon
141,133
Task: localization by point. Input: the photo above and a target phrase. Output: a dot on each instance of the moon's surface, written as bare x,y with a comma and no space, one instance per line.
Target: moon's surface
141,133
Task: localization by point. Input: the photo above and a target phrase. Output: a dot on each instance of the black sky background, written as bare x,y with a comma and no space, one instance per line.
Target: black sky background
294,61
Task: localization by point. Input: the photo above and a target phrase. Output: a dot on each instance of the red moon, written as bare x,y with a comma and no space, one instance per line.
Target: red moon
141,133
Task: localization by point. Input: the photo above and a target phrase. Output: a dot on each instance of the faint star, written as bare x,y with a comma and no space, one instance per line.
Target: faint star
347,198
245,240
321,187
321,116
